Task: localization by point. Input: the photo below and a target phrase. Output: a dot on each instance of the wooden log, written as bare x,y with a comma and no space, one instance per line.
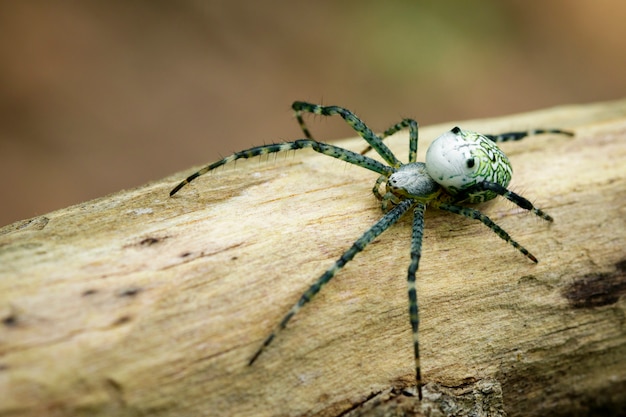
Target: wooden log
141,304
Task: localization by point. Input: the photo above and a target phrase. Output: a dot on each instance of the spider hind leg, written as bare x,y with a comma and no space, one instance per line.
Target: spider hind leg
478,190
477,215
512,136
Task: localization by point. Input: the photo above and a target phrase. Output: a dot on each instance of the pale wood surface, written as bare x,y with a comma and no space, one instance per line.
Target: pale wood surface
141,304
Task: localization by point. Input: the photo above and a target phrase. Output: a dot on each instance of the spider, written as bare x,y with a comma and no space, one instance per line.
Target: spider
461,167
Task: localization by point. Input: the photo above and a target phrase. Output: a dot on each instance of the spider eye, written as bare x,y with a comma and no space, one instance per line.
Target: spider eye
470,163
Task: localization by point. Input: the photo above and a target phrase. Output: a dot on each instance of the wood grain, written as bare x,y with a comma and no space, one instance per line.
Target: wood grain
141,304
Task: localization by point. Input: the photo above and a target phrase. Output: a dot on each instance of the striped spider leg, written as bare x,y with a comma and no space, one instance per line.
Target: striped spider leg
461,167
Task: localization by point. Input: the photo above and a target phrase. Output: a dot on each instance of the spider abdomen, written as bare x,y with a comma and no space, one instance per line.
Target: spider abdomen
460,159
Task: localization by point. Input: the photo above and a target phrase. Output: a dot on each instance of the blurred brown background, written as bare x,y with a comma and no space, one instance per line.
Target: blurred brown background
96,96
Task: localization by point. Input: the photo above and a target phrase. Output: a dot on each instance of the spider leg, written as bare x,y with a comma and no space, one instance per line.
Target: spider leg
383,224
416,252
477,215
361,128
413,134
330,150
509,136
504,192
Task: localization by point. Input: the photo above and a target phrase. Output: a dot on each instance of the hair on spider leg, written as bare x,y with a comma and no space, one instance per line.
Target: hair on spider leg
461,167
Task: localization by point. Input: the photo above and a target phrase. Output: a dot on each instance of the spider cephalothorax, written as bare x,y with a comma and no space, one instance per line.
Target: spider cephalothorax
461,167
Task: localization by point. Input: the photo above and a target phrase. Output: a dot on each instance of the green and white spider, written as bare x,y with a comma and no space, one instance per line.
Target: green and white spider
461,167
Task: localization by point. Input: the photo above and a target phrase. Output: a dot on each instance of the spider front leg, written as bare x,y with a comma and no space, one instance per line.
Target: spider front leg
361,128
413,136
383,224
323,148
